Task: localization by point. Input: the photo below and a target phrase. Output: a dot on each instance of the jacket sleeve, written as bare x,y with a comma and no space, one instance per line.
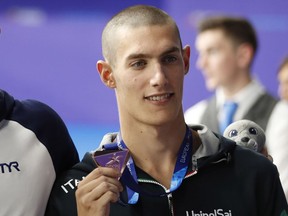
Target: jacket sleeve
62,199
271,196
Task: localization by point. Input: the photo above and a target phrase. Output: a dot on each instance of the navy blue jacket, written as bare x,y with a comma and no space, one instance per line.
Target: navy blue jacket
223,179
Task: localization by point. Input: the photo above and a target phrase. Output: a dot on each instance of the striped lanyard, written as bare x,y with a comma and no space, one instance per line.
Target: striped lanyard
129,176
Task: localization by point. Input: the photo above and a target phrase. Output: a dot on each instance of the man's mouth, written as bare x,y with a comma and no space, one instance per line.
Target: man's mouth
159,97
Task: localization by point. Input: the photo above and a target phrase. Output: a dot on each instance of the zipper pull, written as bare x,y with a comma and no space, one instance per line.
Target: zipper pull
194,163
170,202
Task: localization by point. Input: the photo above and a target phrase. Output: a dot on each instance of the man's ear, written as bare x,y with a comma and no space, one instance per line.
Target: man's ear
245,55
105,72
186,58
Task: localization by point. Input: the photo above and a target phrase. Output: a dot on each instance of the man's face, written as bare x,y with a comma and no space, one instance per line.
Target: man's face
283,83
217,59
148,73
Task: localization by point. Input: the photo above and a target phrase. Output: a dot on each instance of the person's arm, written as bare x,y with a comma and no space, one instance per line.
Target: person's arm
277,141
97,191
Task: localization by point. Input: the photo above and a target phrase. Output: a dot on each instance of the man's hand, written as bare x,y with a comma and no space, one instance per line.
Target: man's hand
97,191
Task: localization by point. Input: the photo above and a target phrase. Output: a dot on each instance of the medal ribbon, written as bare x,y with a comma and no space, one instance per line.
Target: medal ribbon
129,176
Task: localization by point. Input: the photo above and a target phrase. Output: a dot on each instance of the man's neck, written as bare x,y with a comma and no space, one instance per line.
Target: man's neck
155,149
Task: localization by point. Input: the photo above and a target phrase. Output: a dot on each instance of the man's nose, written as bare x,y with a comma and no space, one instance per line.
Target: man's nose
159,77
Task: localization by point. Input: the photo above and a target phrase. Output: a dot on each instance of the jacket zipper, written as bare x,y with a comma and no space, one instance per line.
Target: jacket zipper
169,196
170,203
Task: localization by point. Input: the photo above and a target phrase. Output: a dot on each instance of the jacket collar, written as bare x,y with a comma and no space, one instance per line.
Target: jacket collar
212,143
214,147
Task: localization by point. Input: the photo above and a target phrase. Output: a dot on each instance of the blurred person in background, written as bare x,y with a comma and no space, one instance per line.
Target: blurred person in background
277,133
226,49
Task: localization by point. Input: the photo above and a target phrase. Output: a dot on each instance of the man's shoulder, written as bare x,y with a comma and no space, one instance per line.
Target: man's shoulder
35,109
42,119
28,111
251,160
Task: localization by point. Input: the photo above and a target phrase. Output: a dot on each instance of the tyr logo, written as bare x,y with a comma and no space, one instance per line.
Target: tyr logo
9,167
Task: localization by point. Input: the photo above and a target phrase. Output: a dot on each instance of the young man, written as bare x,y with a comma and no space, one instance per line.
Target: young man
227,46
173,169
35,147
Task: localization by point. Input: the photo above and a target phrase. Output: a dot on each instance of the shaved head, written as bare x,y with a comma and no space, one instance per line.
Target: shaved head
132,17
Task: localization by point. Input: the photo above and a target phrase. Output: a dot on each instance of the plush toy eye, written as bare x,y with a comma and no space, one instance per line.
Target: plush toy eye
253,131
233,133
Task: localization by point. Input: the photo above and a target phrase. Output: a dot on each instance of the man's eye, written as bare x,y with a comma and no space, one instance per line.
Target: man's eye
233,133
138,64
253,130
170,59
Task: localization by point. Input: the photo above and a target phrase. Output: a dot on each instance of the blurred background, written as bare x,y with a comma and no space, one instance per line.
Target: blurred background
48,52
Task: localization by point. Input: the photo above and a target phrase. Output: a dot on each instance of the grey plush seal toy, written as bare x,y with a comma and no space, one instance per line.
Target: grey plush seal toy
246,133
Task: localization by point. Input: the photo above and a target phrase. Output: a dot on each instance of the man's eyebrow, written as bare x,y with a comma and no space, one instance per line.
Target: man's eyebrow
171,50
137,56
141,55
